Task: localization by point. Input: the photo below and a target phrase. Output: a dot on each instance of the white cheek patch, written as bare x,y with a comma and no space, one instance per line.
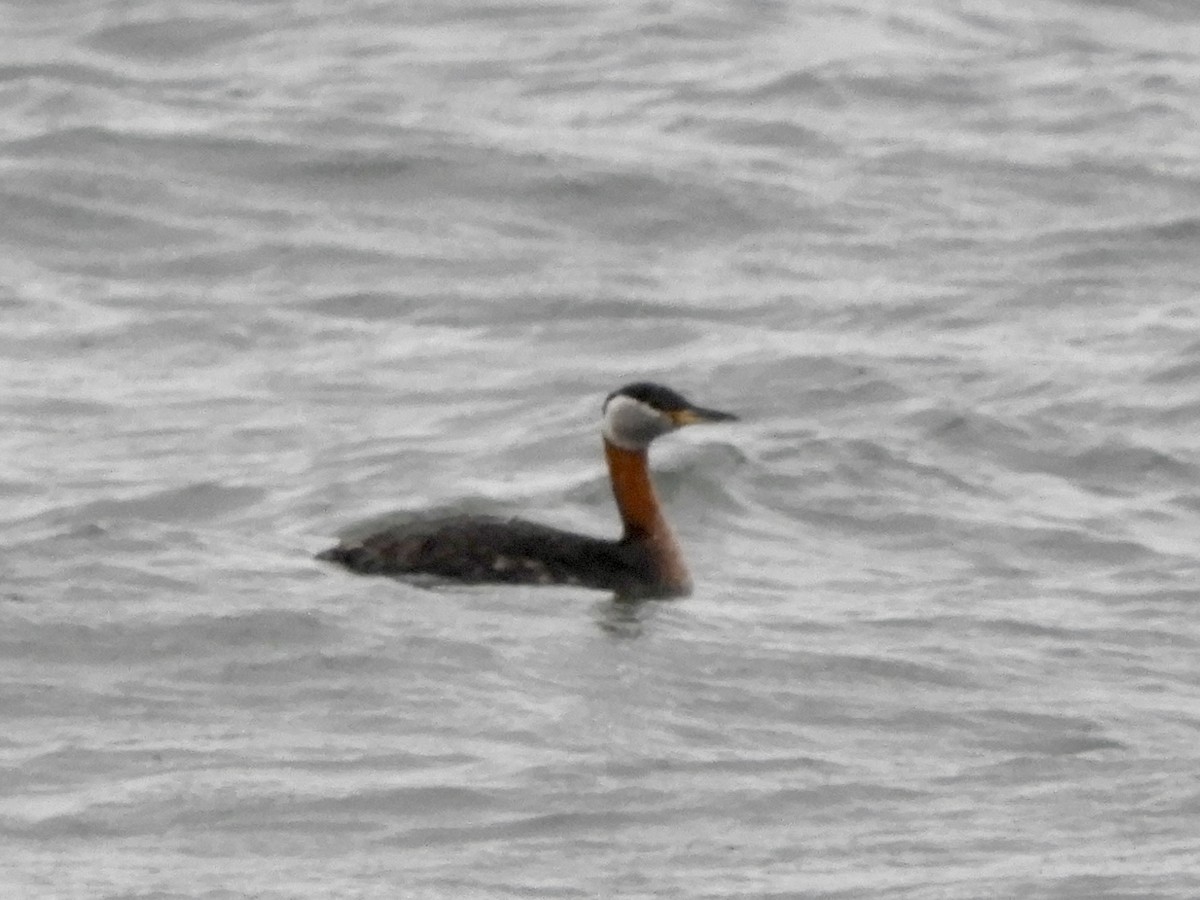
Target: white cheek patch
631,424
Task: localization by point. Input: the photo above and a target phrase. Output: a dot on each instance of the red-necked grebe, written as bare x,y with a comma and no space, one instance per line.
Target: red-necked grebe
645,562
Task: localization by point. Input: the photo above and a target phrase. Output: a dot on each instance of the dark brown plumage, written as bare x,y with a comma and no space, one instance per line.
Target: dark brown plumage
488,549
645,562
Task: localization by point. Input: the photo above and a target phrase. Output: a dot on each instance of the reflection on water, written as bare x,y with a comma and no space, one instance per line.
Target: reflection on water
625,617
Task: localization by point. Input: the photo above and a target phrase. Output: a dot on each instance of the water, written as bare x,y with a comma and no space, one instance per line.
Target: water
273,268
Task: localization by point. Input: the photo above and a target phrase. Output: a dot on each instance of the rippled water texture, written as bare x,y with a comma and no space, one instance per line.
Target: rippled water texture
272,268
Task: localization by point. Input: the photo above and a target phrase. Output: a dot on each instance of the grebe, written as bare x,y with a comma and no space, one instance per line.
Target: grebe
645,562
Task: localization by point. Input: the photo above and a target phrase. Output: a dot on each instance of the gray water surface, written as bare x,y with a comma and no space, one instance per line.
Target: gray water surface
272,268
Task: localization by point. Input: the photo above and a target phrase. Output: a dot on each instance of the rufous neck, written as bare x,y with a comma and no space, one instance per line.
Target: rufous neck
643,517
636,500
